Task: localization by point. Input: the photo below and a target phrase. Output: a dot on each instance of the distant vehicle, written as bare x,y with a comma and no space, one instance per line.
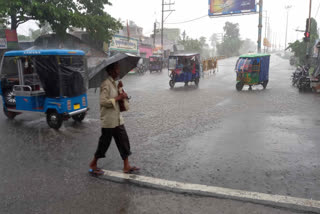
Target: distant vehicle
49,81
142,65
184,68
252,69
155,63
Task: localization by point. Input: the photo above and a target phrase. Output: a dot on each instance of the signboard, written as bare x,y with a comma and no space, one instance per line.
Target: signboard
8,39
3,43
266,43
123,44
12,39
231,7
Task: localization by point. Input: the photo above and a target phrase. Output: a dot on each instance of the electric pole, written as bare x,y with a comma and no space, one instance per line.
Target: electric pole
265,31
285,43
308,31
184,35
163,11
260,25
154,34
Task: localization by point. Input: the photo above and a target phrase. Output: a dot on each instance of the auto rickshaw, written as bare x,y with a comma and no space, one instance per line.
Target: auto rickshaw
252,69
48,81
155,63
184,68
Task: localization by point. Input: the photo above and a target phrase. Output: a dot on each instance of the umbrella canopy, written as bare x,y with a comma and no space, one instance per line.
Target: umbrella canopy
126,63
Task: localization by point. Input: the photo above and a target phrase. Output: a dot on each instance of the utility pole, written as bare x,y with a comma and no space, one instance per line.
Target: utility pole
184,35
265,31
260,25
285,43
154,34
309,26
163,11
269,34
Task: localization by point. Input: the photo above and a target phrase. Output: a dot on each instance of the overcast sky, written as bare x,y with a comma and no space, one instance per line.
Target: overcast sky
145,12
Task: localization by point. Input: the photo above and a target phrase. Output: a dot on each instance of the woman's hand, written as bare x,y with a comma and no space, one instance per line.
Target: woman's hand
121,96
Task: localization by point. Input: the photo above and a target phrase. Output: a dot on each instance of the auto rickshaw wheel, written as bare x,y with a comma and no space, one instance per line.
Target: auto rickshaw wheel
264,84
79,117
171,83
9,97
54,119
239,86
9,114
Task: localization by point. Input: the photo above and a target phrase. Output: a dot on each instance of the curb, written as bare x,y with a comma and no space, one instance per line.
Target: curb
299,204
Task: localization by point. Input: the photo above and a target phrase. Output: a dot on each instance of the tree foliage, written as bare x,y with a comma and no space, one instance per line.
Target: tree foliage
61,15
196,45
299,48
231,42
191,45
248,46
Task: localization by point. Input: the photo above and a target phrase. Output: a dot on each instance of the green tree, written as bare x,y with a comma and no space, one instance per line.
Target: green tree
299,48
191,45
61,15
15,12
23,38
195,45
231,42
247,46
214,40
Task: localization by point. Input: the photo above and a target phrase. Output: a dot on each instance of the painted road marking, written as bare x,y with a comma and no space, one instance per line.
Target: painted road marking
261,198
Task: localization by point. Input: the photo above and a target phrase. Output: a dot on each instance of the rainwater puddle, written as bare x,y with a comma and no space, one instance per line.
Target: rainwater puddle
289,121
224,102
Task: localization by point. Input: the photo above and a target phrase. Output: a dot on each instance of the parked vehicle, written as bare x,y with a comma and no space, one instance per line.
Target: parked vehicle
301,71
252,70
48,81
155,63
315,79
184,68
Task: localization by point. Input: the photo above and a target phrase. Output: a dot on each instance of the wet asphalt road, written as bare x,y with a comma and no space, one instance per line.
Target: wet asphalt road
262,140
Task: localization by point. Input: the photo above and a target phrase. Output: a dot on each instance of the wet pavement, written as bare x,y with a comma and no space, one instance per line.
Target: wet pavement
261,140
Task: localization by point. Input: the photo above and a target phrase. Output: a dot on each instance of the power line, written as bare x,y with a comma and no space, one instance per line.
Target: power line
317,11
219,11
187,21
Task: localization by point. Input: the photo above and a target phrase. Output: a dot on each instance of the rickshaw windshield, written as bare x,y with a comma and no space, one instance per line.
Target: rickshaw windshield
244,65
61,75
9,68
172,63
154,59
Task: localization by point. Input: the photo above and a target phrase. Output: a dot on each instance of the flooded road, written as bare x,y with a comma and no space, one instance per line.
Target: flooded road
261,140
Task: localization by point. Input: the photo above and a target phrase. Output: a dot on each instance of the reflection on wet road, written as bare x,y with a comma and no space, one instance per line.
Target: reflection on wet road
261,140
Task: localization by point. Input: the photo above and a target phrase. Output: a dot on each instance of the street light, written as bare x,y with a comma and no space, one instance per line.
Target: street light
287,8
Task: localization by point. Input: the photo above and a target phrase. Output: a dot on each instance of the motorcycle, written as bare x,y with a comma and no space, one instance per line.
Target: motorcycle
301,78
300,73
141,68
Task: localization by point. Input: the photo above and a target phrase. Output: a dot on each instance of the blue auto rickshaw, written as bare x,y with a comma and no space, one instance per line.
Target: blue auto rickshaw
184,68
155,63
50,81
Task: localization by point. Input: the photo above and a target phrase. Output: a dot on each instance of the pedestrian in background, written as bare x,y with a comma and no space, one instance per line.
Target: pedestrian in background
112,123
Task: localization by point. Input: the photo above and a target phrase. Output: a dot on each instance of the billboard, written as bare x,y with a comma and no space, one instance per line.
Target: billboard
124,44
231,7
